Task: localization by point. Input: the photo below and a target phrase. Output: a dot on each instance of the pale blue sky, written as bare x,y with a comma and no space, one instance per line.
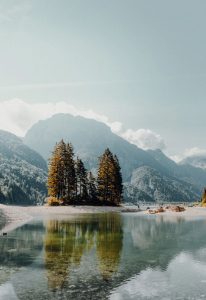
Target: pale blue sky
141,62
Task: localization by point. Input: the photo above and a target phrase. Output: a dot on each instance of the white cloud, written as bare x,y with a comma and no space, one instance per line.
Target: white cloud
144,138
195,151
18,116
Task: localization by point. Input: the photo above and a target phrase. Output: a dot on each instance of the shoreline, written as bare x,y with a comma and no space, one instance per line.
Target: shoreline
16,216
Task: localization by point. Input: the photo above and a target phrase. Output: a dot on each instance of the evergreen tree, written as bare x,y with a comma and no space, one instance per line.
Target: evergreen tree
81,181
109,179
61,175
53,176
118,181
69,182
70,175
91,188
61,153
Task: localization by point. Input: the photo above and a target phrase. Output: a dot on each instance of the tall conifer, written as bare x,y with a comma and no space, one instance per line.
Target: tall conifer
53,183
81,180
91,188
109,179
70,175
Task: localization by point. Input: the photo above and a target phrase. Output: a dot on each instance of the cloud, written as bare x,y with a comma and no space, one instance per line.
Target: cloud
16,13
195,151
17,116
144,138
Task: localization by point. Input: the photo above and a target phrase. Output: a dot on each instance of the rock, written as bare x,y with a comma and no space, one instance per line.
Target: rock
151,211
160,210
177,208
156,211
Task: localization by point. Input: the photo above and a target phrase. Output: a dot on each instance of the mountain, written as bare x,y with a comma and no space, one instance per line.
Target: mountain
149,185
198,161
23,172
89,138
188,173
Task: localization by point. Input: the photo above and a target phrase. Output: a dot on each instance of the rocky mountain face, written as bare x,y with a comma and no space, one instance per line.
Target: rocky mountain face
186,172
89,138
23,172
148,175
149,185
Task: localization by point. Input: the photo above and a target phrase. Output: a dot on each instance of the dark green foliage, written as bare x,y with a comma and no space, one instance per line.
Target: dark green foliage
81,181
92,188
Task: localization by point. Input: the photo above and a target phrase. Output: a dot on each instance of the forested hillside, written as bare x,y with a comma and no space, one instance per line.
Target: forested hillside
23,172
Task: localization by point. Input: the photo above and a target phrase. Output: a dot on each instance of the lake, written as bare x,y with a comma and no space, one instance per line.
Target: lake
105,256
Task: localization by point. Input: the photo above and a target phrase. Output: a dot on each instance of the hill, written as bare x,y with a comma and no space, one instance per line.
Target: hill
23,172
149,185
89,138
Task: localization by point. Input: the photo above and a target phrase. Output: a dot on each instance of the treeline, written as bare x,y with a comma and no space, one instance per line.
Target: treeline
69,182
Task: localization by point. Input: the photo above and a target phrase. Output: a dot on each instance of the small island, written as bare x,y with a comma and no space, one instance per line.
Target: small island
69,182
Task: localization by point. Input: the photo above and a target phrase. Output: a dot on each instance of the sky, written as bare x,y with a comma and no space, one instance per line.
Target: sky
137,65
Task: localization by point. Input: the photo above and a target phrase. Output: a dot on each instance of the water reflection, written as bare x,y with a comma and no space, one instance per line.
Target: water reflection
66,242
103,255
109,244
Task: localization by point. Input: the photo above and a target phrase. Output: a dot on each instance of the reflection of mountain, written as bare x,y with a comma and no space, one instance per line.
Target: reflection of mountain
21,246
156,241
183,278
93,254
65,243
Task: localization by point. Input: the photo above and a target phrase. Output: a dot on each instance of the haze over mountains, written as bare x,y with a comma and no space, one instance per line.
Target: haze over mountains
198,161
149,173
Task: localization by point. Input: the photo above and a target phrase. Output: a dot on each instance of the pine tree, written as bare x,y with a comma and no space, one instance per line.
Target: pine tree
81,181
53,176
61,175
118,182
62,153
70,175
109,179
69,182
91,188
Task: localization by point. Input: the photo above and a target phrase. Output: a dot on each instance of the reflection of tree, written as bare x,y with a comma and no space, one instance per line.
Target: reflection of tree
64,246
66,242
109,244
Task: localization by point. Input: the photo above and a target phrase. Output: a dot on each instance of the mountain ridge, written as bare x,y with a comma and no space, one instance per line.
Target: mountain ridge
90,138
23,172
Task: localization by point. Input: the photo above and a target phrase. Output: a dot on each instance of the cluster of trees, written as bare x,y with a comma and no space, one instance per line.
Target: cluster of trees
70,183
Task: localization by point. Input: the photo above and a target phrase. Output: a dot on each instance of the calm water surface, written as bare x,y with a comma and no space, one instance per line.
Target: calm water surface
105,256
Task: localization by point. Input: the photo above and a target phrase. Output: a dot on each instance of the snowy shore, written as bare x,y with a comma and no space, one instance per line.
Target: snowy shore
18,215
